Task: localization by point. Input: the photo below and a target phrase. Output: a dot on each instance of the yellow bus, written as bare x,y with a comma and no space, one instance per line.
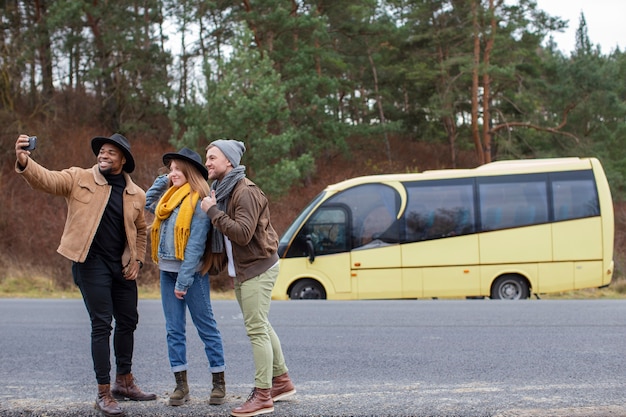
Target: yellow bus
504,230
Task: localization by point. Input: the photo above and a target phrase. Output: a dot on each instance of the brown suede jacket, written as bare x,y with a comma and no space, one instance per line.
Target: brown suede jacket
247,225
86,192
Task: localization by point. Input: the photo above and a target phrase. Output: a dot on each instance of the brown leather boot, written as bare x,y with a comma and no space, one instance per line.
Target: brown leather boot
125,387
259,402
181,393
282,387
218,393
106,404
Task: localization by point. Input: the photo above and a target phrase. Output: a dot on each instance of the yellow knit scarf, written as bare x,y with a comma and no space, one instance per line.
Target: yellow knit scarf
174,197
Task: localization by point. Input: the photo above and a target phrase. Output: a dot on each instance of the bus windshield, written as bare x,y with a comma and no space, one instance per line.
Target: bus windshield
293,228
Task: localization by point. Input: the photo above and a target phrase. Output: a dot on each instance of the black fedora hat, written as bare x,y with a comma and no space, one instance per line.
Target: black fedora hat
188,155
119,141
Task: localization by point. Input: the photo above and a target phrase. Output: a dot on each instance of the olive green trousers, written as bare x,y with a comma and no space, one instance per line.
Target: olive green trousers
254,297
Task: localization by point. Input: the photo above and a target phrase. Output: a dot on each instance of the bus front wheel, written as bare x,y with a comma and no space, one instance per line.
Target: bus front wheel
307,289
510,287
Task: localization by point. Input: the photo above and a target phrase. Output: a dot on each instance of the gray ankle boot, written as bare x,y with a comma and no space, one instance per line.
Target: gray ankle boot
181,393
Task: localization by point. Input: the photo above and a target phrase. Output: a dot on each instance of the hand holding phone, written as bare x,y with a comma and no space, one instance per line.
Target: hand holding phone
32,143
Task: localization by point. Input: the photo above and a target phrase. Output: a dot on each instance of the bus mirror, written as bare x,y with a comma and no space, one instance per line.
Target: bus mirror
310,248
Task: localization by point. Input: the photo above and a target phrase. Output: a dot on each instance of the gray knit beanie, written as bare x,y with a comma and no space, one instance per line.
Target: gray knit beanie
232,149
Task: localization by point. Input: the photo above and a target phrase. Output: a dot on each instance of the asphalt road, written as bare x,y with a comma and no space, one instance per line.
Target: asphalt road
354,358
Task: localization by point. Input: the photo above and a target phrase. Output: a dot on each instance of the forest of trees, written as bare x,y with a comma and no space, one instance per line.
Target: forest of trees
296,79
301,81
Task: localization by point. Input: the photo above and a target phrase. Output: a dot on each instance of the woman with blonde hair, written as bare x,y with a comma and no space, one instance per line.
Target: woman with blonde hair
178,237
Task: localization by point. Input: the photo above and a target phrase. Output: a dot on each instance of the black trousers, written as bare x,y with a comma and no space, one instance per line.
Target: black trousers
107,296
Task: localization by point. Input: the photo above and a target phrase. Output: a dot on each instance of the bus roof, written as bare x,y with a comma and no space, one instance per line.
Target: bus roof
493,168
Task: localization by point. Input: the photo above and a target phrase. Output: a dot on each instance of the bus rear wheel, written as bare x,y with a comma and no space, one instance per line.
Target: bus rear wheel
307,289
510,287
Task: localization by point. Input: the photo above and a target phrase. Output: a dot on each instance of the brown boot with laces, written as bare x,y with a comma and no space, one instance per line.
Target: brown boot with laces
259,402
106,404
125,387
282,387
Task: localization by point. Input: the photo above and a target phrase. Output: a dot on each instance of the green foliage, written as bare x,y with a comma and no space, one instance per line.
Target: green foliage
304,77
113,47
187,126
248,104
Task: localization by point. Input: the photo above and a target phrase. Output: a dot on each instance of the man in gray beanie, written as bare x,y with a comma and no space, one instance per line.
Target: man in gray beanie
232,149
243,242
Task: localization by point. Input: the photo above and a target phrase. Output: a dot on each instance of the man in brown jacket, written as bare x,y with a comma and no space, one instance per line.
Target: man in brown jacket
243,237
105,237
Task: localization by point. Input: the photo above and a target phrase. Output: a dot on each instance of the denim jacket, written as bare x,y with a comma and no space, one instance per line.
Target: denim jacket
188,268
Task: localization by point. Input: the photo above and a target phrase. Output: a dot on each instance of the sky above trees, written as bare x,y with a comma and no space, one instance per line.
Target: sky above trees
605,22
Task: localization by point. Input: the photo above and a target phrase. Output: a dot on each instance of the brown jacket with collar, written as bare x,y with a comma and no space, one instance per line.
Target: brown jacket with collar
247,225
87,192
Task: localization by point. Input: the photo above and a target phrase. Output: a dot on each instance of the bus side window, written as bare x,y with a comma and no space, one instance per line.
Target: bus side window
575,199
533,206
418,223
515,201
444,223
492,218
562,213
524,215
586,202
375,224
370,211
464,224
440,209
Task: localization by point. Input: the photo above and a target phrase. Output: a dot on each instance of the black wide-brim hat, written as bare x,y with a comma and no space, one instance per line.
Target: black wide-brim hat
119,141
190,156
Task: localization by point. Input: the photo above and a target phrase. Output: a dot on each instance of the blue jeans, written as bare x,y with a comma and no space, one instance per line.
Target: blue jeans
198,300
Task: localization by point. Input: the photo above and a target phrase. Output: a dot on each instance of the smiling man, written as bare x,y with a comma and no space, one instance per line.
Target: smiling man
105,237
244,243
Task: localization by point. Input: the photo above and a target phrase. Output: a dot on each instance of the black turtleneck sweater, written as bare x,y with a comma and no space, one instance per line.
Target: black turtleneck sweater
110,238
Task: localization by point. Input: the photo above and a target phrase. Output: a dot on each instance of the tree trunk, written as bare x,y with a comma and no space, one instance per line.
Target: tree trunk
43,49
109,103
475,69
379,104
253,27
450,126
487,85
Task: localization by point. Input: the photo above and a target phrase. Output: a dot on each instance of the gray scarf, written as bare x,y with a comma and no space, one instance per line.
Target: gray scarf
223,190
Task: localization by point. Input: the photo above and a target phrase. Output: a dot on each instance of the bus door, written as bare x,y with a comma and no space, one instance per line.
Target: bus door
367,260
327,240
456,272
377,271
376,264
